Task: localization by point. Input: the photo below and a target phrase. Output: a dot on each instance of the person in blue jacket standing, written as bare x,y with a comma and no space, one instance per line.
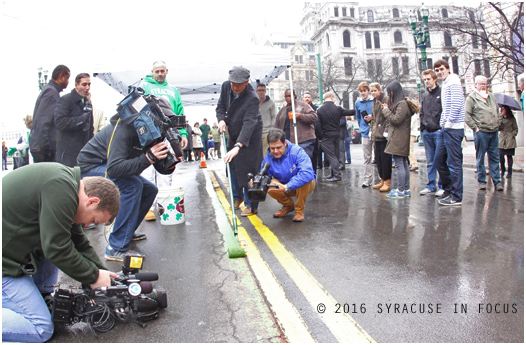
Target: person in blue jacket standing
291,170
364,111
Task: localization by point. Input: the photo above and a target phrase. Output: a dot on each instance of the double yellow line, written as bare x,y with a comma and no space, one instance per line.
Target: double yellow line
343,326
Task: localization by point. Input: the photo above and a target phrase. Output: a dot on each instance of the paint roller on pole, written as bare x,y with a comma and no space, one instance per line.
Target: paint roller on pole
293,108
234,249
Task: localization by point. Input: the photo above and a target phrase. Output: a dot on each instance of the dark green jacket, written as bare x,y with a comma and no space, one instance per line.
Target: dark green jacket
39,202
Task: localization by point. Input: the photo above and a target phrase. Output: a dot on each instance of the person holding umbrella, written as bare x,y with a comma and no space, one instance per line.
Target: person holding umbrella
507,132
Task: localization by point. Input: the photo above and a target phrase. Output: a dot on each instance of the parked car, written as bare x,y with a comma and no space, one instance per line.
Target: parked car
356,135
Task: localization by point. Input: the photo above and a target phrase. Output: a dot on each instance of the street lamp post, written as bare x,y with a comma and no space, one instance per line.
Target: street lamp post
42,78
422,35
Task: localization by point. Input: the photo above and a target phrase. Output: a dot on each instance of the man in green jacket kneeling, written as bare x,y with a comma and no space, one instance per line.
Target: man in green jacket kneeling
44,207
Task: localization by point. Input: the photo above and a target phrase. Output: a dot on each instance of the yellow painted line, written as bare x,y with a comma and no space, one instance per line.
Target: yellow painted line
286,314
342,326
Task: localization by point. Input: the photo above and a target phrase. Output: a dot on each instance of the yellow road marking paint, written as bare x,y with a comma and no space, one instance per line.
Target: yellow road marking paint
342,326
286,314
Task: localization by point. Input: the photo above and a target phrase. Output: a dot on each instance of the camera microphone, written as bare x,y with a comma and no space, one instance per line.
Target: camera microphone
146,287
264,169
142,277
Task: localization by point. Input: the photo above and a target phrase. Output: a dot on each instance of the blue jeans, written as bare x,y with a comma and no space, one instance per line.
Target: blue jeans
453,143
137,195
4,163
487,142
433,142
402,172
240,191
347,144
25,315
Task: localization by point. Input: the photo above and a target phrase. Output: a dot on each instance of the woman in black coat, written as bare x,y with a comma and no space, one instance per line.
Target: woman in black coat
238,108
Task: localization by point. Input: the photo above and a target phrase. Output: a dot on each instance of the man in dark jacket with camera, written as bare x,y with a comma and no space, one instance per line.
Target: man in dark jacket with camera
430,126
117,151
74,121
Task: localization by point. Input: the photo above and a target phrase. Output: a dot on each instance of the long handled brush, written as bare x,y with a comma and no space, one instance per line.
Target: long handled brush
234,251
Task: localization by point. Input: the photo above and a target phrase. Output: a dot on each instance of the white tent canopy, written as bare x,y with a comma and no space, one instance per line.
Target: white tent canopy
199,82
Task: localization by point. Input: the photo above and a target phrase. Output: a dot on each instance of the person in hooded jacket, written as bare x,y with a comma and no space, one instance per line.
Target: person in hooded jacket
238,108
379,129
364,111
398,113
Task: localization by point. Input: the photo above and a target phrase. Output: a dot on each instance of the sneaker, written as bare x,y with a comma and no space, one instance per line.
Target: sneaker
444,195
499,187
366,184
395,194
407,193
482,186
426,191
248,211
150,216
116,255
449,202
439,193
138,236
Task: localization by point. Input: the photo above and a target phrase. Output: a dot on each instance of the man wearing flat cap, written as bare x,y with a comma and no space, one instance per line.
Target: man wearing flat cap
238,109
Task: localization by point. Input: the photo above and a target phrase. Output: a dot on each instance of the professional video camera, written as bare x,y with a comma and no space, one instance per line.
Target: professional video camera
132,294
260,184
154,121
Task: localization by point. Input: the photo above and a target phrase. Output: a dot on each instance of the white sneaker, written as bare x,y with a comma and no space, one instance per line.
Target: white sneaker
426,191
439,193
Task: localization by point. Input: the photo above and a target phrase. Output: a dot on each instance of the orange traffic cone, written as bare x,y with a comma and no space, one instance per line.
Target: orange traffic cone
203,161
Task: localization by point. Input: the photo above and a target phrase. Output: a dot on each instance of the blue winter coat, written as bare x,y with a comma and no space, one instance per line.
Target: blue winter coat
294,168
360,106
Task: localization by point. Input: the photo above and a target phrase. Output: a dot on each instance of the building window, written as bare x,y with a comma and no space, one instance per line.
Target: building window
376,39
444,13
445,58
368,42
396,67
471,16
447,39
346,100
312,58
396,13
378,66
370,16
429,63
347,65
271,94
346,39
474,41
336,12
370,67
484,40
454,62
398,37
478,67
344,12
405,65
352,12
328,42
299,58
487,71
287,76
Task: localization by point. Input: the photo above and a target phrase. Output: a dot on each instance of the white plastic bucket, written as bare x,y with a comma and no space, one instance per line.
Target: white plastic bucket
172,200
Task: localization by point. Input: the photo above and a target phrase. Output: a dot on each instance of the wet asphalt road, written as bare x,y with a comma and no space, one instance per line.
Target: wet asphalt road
373,255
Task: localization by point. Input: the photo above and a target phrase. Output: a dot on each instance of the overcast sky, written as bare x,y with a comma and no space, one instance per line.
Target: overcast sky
89,35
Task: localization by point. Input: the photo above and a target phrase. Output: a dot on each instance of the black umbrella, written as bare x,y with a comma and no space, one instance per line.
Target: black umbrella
507,100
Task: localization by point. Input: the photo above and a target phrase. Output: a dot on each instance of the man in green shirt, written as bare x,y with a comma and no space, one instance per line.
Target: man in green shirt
205,129
156,84
44,207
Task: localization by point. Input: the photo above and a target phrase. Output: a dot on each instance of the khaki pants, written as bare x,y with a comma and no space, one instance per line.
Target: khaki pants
301,195
264,143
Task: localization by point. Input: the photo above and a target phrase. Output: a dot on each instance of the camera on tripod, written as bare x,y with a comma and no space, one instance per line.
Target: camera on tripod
154,122
260,184
130,295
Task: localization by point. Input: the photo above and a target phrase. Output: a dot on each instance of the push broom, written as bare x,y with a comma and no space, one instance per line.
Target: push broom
234,249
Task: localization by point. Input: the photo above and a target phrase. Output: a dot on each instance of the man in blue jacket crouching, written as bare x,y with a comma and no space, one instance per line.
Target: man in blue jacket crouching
291,170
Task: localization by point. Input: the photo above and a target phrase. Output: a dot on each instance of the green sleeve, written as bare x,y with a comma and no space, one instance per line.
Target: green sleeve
59,237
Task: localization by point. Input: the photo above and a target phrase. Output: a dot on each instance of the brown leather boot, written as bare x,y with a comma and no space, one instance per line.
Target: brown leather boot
284,211
379,185
387,186
298,217
237,204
